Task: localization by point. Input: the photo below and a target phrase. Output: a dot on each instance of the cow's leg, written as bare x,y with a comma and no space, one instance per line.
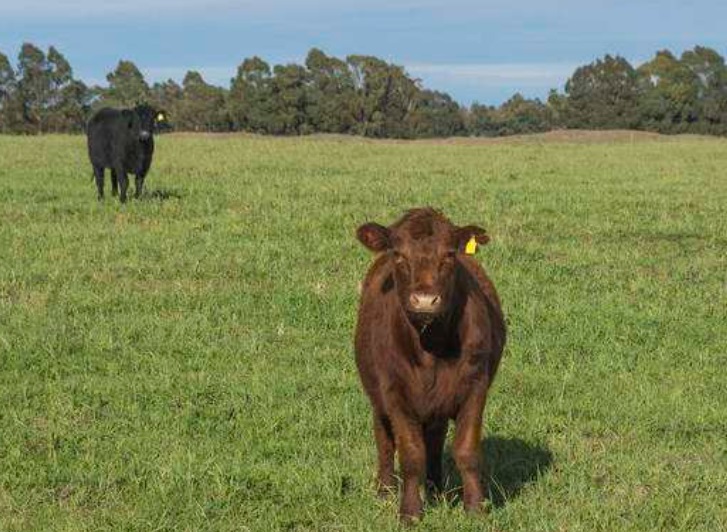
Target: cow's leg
98,176
409,439
123,183
114,183
139,185
467,452
434,435
385,448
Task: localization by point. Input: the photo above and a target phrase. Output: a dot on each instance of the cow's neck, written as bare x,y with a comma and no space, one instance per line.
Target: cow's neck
440,337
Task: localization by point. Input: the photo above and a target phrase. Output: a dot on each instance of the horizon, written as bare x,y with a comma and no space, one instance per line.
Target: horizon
475,52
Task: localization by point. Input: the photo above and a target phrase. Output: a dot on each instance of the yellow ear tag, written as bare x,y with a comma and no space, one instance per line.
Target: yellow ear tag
160,117
471,246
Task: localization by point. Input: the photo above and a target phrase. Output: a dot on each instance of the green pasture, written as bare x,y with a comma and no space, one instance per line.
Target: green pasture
185,362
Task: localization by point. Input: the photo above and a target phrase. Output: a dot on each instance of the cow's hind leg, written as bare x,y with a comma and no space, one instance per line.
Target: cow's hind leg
98,176
385,448
114,183
434,435
123,183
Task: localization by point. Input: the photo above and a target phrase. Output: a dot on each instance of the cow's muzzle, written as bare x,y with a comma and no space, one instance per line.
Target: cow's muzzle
423,303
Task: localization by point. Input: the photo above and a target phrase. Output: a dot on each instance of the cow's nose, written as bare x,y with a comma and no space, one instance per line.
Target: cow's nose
144,134
421,302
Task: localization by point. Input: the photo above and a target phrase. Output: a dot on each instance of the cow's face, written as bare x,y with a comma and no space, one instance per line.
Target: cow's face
423,246
148,118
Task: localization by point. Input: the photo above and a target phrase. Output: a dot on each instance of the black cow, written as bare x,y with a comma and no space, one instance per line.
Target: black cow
123,141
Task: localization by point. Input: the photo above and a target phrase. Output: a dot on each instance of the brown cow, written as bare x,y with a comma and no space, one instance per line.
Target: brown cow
429,338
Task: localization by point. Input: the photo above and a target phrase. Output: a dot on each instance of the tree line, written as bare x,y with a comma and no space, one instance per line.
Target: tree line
364,95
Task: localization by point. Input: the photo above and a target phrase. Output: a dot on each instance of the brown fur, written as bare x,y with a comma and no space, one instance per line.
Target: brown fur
420,372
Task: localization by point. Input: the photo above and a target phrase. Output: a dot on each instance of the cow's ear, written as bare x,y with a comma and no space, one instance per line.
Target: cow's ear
469,236
374,236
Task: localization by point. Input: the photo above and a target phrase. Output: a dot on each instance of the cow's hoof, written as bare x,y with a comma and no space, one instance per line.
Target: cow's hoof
410,513
475,507
410,519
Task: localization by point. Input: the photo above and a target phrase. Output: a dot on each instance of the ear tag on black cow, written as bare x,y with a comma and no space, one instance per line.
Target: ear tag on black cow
471,247
160,117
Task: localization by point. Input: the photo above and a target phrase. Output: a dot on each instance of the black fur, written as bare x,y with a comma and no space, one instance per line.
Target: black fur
123,141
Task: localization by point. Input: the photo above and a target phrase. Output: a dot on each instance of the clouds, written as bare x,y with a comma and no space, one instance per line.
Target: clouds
491,75
496,75
80,9
474,49
84,9
493,82
487,82
434,74
214,75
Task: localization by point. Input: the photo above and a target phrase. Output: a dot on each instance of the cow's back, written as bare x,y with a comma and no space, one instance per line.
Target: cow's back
108,134
100,136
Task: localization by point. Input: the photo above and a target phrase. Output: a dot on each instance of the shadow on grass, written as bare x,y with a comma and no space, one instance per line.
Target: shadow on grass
511,464
161,194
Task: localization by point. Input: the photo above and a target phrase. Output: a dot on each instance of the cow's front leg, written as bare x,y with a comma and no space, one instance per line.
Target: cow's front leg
98,176
434,435
385,448
139,185
123,183
409,439
114,183
467,452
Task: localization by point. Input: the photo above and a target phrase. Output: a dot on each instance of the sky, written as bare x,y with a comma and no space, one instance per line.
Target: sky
477,51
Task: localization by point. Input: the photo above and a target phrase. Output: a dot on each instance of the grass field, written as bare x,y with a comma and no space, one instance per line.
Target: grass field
185,362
